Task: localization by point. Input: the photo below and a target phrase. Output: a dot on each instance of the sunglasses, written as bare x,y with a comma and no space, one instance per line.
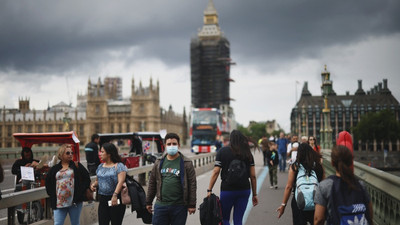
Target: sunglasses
311,139
69,153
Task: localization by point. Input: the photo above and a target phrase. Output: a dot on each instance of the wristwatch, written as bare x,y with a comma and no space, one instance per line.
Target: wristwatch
208,190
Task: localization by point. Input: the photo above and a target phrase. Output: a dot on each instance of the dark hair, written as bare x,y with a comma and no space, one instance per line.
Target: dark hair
113,151
172,136
26,150
240,145
307,157
342,160
94,137
265,144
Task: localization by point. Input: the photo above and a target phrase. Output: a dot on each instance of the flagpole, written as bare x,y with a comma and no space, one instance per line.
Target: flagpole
295,85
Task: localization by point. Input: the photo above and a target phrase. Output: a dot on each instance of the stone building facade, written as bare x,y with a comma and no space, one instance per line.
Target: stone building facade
345,112
101,110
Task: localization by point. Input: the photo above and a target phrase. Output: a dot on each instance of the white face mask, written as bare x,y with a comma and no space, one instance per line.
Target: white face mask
172,150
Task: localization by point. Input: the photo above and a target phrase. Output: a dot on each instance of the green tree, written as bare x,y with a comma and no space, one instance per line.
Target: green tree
381,126
244,130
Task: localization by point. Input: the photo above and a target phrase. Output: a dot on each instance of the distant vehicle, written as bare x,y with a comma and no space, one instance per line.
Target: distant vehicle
147,144
33,211
208,127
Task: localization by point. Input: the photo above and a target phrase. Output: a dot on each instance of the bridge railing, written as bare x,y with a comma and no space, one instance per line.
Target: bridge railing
202,163
384,189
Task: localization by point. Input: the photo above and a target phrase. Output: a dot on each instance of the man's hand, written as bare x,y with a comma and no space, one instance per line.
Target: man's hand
191,210
149,208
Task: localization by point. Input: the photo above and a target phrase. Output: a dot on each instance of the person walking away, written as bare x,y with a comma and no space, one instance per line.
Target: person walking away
66,184
110,178
307,162
173,183
292,149
282,143
235,186
265,148
273,161
312,141
342,197
343,191
92,154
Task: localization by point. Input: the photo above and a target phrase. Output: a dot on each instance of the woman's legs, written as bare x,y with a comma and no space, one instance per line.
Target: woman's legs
75,213
59,216
236,199
240,205
227,200
104,213
117,214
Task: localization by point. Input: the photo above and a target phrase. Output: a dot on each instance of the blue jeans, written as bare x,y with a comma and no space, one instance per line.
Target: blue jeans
74,212
236,199
282,161
170,214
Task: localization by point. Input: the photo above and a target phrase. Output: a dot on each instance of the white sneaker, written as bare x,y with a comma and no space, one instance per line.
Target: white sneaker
271,187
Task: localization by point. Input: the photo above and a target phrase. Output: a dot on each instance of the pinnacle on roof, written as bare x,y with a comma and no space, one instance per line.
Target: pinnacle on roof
210,10
305,91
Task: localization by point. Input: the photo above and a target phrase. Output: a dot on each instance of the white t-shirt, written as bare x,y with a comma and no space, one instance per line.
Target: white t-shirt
293,153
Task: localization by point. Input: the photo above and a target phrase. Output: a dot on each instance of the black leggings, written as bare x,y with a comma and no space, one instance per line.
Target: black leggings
301,217
107,214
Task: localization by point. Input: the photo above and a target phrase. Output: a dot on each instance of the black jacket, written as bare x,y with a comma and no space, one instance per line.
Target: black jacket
16,167
92,154
81,182
138,199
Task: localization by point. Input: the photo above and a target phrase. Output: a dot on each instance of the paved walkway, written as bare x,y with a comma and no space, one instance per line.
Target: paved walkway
263,213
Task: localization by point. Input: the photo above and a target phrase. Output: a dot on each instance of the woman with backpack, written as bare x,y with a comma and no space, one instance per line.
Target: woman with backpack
341,197
305,171
235,185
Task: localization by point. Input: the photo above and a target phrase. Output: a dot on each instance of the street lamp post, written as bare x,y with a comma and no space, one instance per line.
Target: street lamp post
326,131
66,121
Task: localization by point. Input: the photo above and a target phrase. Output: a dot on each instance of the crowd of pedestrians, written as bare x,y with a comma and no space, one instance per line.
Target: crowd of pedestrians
172,181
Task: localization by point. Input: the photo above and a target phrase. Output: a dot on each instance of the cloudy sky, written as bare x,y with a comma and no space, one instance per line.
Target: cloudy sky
50,49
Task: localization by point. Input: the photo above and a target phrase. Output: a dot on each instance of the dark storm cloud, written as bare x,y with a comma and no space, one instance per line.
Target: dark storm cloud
283,30
54,37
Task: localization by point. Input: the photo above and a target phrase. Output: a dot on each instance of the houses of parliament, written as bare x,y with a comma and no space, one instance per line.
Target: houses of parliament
101,110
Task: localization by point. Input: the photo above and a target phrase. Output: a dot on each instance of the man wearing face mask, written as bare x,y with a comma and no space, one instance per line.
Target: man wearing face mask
173,183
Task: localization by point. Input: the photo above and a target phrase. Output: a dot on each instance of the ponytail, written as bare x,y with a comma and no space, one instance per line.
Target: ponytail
342,160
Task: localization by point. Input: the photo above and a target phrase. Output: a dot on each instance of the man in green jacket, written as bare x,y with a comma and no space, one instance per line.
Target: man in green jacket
173,183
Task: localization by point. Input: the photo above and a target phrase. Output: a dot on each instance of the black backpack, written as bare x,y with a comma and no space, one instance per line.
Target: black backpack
210,211
349,206
237,172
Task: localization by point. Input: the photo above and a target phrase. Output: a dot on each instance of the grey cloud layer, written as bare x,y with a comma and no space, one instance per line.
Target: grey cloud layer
51,36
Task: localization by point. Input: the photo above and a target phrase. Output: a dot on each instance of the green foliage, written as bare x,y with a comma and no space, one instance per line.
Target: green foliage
257,131
381,126
244,130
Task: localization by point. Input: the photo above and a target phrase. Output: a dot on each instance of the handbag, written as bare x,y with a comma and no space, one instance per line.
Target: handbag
89,195
125,197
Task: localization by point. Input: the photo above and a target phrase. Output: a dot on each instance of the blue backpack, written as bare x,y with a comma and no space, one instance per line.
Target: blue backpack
348,206
306,186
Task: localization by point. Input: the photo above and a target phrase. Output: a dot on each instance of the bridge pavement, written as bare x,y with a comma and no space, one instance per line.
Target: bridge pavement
263,213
